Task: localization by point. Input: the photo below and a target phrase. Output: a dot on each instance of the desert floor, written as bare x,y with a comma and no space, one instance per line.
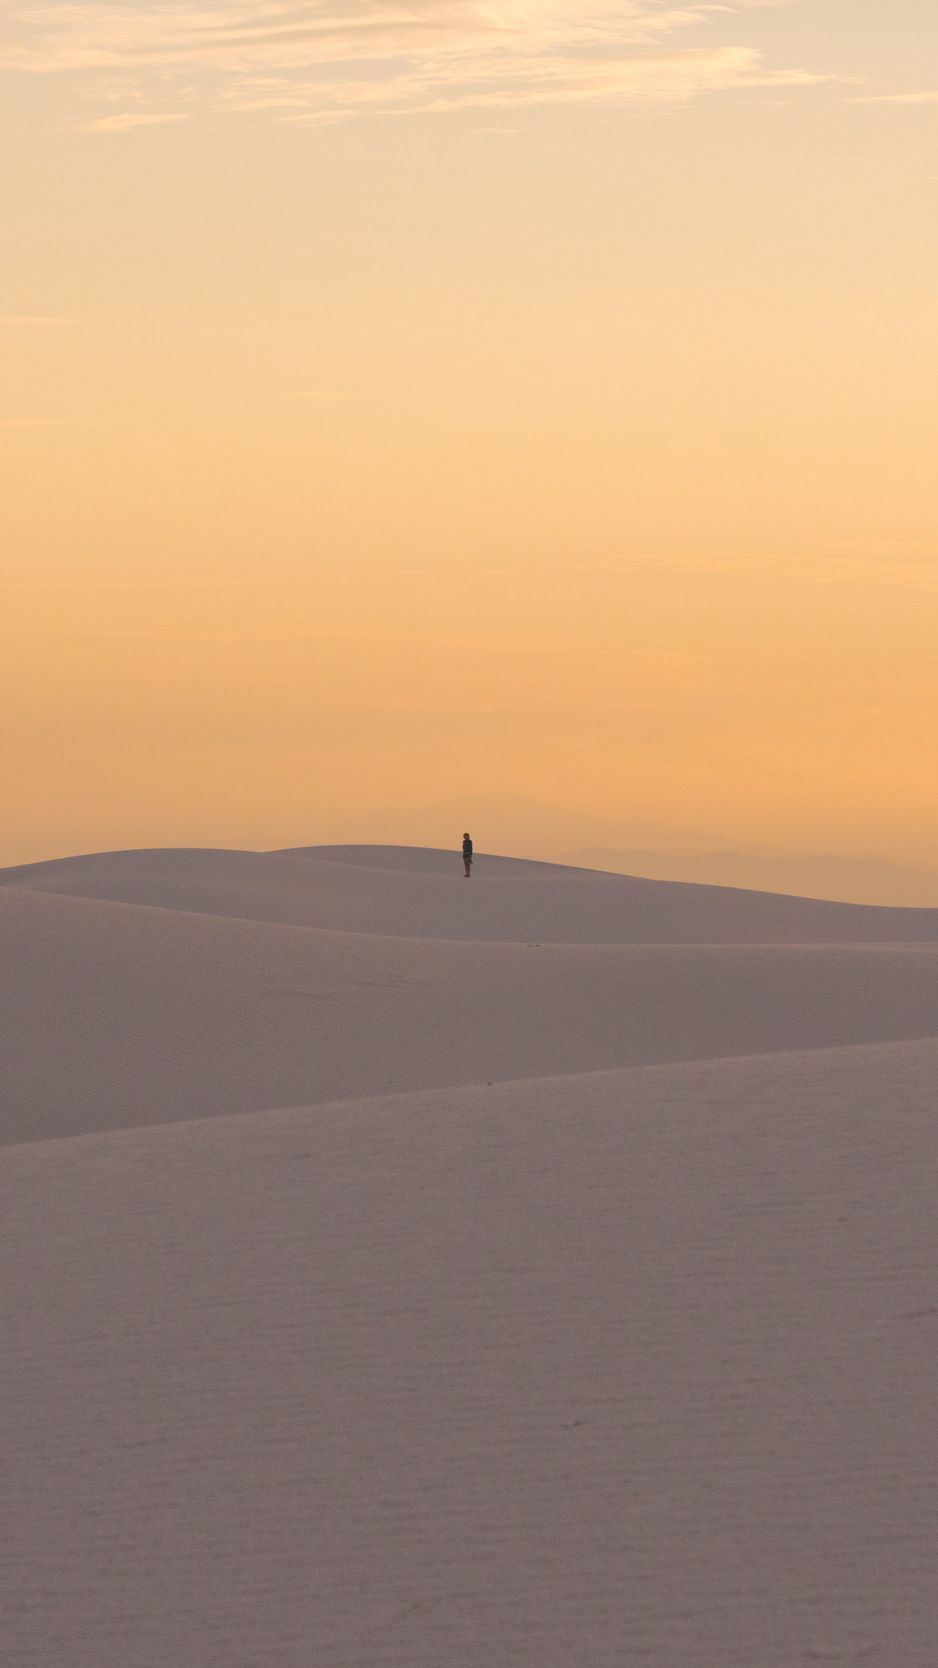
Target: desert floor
540,1270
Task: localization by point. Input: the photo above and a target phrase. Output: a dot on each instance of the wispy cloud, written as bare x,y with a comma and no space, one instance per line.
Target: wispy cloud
647,78
27,321
929,96
125,120
321,61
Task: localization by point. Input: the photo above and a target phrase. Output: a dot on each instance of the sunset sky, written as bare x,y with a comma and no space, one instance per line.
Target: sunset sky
407,406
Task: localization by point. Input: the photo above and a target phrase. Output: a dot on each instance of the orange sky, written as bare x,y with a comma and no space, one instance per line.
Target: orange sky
521,399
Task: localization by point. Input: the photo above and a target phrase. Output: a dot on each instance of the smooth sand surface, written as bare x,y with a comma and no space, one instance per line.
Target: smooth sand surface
132,997
625,1369
593,1366
403,893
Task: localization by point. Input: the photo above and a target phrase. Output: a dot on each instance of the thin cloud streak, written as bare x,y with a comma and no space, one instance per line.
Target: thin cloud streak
319,61
126,120
926,97
669,78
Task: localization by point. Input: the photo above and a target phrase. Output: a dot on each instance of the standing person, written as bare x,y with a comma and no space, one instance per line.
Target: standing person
467,855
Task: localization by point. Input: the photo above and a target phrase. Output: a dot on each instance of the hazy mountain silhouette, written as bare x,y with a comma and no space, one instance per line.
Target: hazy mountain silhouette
817,875
517,826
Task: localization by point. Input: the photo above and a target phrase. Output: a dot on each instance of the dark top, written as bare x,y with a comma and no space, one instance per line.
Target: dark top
467,847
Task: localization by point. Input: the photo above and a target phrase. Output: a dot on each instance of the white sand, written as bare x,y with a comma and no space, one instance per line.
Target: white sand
404,893
593,1367
166,1007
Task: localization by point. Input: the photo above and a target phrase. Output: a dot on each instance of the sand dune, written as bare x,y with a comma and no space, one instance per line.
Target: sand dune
124,1014
601,1333
629,1369
401,892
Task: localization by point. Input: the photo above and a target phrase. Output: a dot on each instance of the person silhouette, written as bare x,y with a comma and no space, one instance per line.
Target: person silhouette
467,855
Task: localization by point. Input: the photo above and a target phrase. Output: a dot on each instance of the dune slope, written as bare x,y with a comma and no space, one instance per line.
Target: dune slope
402,892
635,1368
119,1014
520,1361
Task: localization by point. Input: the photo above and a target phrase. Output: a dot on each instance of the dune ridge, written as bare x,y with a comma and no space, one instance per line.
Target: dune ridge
403,892
120,1013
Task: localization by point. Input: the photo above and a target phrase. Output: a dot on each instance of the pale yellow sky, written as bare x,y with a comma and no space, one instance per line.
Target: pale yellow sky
403,407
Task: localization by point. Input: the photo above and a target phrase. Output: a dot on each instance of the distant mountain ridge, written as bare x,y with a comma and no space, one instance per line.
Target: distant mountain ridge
839,879
654,850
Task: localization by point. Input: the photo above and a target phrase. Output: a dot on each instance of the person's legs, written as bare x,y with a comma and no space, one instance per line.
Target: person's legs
468,862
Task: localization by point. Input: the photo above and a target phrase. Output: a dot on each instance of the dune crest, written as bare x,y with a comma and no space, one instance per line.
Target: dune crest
147,987
405,892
